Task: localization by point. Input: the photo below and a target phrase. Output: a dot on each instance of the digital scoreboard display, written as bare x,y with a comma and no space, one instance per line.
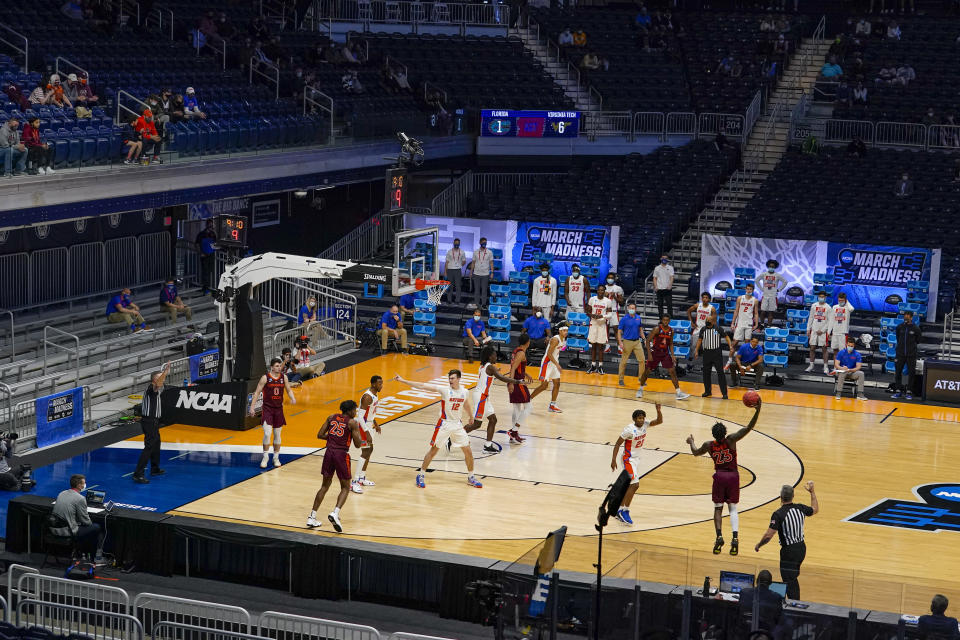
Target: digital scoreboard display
232,230
505,123
396,190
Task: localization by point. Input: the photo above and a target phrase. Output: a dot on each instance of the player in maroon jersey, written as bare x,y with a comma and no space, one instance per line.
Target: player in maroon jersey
273,384
726,476
519,393
340,430
661,350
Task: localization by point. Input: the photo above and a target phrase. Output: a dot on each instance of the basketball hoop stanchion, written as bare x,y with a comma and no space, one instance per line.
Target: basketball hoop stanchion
434,288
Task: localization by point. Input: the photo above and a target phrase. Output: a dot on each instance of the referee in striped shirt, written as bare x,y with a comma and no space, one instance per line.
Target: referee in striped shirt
787,522
708,343
150,414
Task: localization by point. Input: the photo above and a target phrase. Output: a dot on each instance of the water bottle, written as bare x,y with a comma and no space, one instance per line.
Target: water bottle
706,587
186,382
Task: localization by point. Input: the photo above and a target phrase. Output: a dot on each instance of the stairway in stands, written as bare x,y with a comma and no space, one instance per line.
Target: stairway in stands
562,72
765,145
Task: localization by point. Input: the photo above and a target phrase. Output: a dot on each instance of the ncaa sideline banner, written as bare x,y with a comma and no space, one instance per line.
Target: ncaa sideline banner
569,243
221,405
59,417
867,273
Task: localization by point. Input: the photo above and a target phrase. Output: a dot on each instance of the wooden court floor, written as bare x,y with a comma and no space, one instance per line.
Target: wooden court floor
858,453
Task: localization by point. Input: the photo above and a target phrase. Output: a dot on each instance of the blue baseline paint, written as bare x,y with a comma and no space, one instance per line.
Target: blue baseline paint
190,477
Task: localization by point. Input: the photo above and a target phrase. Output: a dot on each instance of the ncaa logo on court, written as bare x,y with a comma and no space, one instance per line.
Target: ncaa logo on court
533,234
939,511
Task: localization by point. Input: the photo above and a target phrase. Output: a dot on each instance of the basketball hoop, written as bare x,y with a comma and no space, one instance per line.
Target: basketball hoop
434,289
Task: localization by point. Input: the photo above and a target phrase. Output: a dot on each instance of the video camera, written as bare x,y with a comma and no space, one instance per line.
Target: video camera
489,595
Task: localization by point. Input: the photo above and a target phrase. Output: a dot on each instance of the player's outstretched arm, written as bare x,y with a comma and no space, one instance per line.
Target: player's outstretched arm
355,432
616,451
739,434
492,370
694,449
423,386
256,394
659,418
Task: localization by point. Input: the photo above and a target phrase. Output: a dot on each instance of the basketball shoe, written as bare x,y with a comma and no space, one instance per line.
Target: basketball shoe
624,516
355,487
515,437
420,482
734,547
473,482
490,448
334,519
553,408
718,545
313,522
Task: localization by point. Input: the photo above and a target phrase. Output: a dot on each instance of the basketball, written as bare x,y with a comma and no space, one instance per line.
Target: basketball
751,398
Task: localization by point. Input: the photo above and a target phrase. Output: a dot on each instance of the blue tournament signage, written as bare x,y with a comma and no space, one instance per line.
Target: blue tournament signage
939,511
205,366
870,273
59,417
568,244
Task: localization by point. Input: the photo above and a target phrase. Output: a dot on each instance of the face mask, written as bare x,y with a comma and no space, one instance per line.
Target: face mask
663,261
576,274
169,286
476,318
456,245
312,304
539,314
544,273
849,349
822,300
483,244
609,280
632,312
770,270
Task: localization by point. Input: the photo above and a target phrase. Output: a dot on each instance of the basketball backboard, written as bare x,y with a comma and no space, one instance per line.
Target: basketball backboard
415,256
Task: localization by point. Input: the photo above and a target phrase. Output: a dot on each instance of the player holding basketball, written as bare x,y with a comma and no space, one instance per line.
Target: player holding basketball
453,396
818,327
839,326
519,393
600,310
576,290
550,367
699,313
366,418
726,476
745,317
632,439
273,384
482,403
661,348
339,430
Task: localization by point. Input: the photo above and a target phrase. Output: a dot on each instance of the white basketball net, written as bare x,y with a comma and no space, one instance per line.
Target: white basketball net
435,292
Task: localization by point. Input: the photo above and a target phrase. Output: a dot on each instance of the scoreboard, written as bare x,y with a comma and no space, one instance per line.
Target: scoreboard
506,123
395,197
232,230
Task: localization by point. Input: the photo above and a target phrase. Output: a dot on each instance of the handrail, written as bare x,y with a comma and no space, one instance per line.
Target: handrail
427,85
255,65
391,61
222,51
310,95
75,352
26,46
821,28
120,4
120,105
13,337
159,12
56,65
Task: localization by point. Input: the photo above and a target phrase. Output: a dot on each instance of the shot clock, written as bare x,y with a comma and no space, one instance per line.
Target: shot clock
232,230
396,190
506,123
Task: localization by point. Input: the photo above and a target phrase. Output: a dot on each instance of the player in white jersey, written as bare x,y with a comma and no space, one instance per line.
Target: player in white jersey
698,313
632,439
771,283
839,324
550,367
453,398
600,308
615,294
482,402
818,328
576,290
745,318
544,295
366,418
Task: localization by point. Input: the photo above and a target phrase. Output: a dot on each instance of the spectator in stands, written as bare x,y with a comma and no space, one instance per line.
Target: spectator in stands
258,55
40,94
908,337
133,144
749,358
309,319
304,353
590,62
122,309
538,328
207,249
906,74
863,28
171,302
904,188
767,23
349,53
844,95
81,89
276,52
579,38
171,106
857,147
643,19
663,284
930,118
565,39
191,105
290,367
16,96
727,64
848,365
317,56
72,9
9,475
886,75
391,326
474,334
207,24
71,508
39,153
859,93
770,603
937,624
149,137
351,82
781,46
893,30
160,118
831,69
57,96
481,266
225,28
720,141
12,151
258,29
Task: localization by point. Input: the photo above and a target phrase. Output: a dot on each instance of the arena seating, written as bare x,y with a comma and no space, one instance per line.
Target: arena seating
652,197
928,45
843,198
681,76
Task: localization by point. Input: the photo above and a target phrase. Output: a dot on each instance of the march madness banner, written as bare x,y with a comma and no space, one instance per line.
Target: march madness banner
866,273
59,417
522,241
